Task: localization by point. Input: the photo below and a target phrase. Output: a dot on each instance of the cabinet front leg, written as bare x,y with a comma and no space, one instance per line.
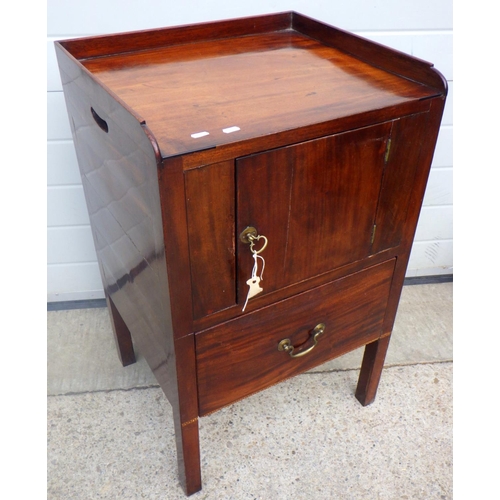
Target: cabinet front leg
371,370
123,339
188,454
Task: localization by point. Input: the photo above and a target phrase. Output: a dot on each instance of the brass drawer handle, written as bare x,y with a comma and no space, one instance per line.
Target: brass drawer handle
286,345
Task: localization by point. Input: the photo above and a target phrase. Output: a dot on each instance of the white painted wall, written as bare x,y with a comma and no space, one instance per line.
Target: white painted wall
422,28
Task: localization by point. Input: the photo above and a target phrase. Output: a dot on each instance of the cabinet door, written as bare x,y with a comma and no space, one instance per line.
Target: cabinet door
315,202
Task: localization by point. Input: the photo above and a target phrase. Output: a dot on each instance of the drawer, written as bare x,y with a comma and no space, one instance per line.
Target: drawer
241,356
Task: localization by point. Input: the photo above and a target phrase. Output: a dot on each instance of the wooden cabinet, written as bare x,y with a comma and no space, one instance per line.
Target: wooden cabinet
186,137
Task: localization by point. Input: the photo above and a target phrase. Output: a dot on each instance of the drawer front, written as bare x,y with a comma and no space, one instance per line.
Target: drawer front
241,357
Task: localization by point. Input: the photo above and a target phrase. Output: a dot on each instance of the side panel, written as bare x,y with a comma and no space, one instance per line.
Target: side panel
416,197
118,166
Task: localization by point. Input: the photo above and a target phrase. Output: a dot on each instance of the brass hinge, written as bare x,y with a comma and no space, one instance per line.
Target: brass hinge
387,150
373,234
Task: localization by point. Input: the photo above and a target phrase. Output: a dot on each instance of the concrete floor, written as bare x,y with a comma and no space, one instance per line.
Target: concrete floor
110,431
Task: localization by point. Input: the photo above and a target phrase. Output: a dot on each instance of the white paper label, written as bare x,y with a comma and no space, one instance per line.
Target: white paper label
230,129
199,134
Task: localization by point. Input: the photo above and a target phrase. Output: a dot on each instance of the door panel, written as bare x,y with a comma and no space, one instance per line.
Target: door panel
316,203
401,165
210,213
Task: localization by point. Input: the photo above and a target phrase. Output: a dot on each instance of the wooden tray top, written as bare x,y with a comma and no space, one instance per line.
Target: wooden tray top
203,94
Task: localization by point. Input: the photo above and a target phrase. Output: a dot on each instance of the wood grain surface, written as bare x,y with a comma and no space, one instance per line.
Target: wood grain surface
241,356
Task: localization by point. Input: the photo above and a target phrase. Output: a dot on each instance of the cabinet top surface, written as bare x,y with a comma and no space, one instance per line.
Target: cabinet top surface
204,94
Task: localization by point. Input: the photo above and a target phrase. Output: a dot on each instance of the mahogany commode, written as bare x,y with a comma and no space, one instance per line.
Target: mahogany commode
253,187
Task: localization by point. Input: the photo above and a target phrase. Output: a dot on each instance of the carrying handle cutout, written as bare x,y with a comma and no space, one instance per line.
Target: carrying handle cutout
103,125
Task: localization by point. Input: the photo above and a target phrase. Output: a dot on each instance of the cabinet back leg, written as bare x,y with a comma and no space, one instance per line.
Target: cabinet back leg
123,339
371,370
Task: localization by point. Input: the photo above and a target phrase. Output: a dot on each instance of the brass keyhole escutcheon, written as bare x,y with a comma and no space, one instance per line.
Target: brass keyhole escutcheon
248,234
